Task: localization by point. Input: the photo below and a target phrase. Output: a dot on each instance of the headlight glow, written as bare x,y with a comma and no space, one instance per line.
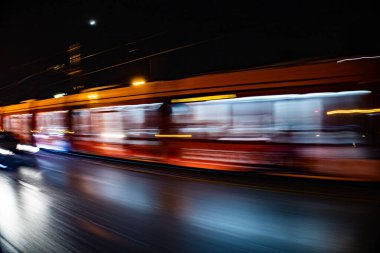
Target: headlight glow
6,152
27,148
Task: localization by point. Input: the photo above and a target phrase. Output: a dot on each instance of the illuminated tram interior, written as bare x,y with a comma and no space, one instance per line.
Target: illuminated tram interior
323,132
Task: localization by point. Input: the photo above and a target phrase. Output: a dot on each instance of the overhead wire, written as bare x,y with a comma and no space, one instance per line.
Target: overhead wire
135,60
84,57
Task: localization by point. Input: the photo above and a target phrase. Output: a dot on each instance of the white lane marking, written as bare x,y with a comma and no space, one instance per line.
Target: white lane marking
29,186
48,168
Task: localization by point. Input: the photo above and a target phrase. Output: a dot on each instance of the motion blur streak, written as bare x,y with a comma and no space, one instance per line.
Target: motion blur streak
27,148
351,111
173,135
291,118
93,96
5,152
197,99
23,212
359,58
253,219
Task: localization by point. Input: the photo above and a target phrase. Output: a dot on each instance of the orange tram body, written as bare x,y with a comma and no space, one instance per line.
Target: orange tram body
319,119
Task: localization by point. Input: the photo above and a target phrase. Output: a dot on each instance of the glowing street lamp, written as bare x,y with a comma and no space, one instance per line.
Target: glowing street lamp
59,95
138,81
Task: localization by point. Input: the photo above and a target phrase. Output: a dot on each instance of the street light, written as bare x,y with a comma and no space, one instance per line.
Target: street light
137,81
59,95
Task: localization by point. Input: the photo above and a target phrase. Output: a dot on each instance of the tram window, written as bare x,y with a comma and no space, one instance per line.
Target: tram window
305,121
253,120
15,123
298,115
7,123
20,124
107,125
181,113
134,118
142,121
52,123
26,121
348,128
215,114
203,120
81,122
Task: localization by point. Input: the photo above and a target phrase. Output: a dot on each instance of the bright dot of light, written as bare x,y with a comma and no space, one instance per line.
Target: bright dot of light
92,22
92,96
59,95
138,81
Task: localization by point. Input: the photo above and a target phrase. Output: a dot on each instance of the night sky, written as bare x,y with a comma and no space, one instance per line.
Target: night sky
35,35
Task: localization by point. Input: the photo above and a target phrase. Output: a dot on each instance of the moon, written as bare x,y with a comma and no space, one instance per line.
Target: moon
92,22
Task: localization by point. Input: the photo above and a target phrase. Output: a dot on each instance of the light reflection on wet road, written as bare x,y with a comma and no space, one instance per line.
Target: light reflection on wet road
74,204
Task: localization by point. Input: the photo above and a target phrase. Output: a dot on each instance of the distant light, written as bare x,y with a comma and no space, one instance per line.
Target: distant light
92,96
92,22
317,135
59,95
57,67
207,98
138,81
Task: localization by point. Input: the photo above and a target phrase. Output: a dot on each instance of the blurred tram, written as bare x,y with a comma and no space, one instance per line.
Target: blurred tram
315,119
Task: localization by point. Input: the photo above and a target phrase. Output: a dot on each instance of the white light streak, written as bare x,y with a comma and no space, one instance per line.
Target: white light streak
59,95
6,152
29,186
291,96
27,148
112,135
358,58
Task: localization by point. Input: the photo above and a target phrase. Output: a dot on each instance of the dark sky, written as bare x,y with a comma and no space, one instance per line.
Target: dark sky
35,34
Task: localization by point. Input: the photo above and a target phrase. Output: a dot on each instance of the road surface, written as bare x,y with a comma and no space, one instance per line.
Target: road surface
77,204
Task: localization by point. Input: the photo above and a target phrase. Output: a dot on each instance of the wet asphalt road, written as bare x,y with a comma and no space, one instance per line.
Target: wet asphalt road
76,204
